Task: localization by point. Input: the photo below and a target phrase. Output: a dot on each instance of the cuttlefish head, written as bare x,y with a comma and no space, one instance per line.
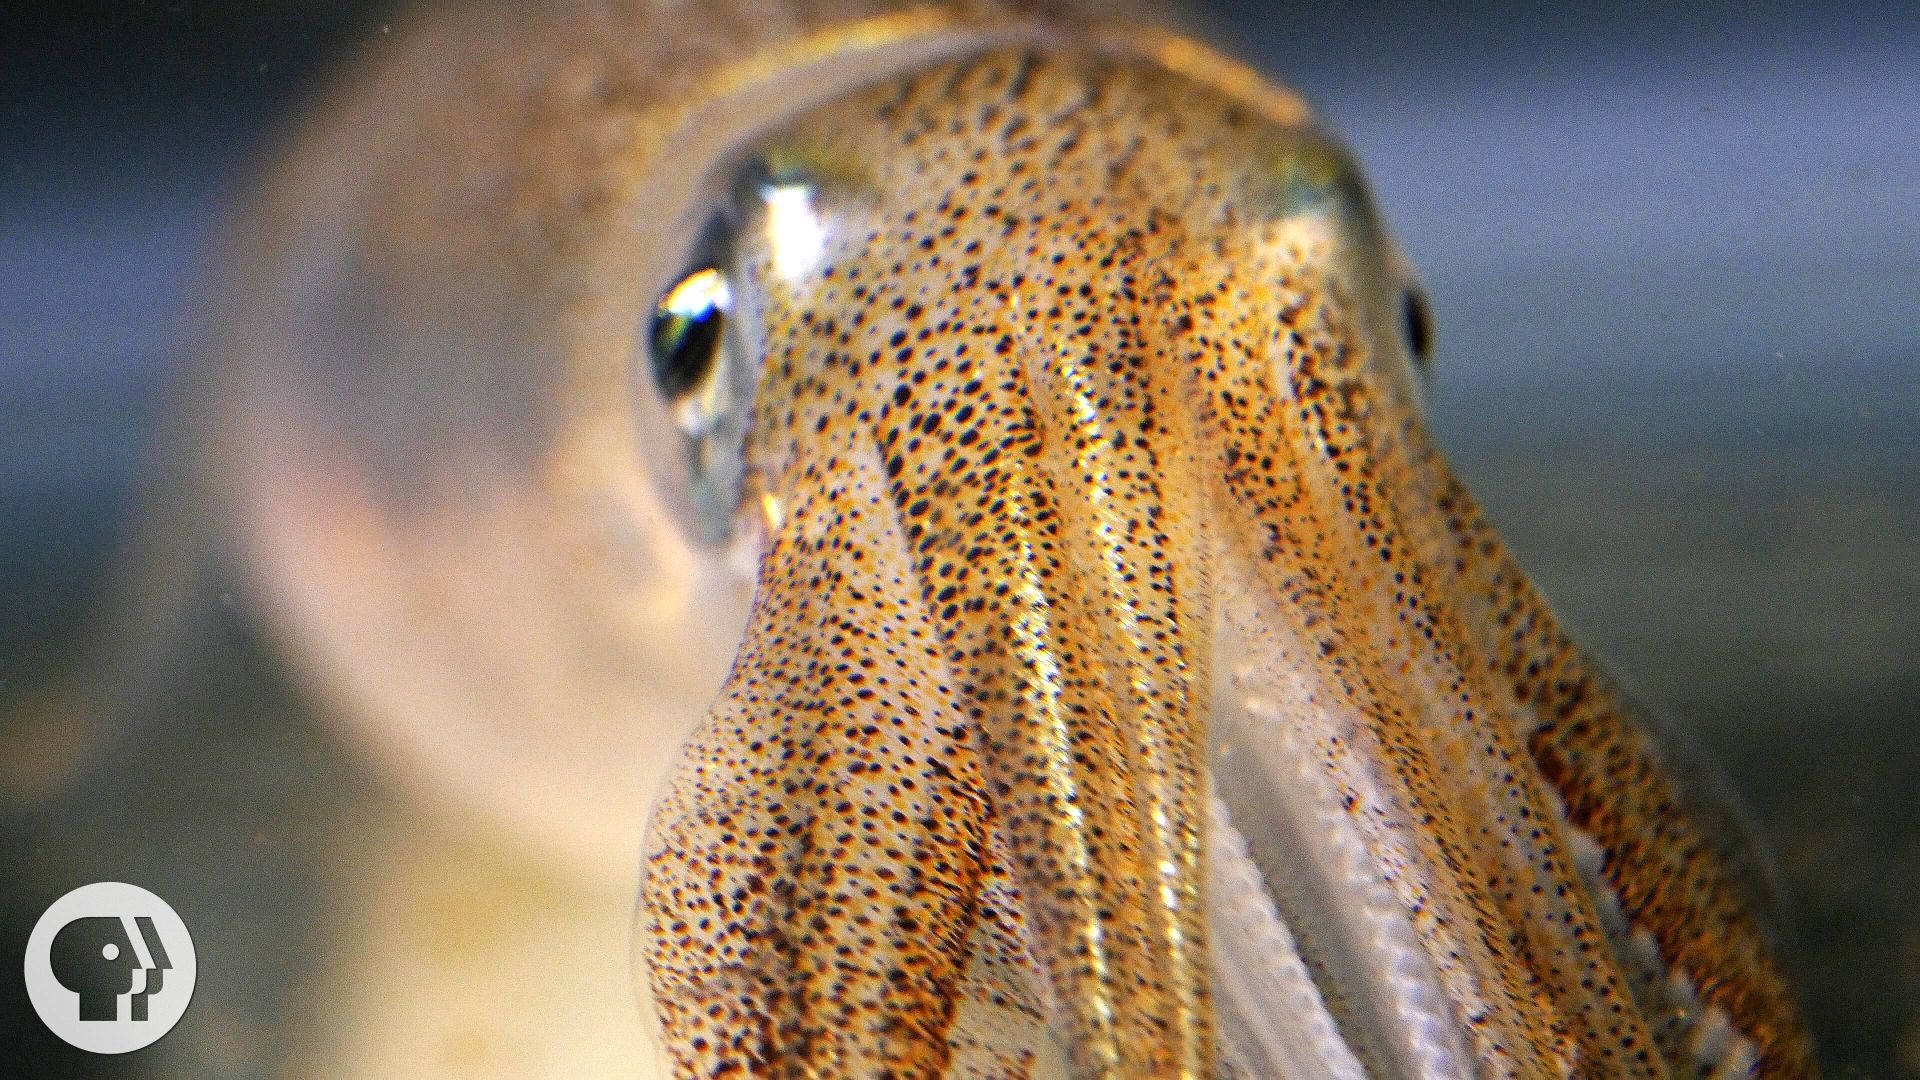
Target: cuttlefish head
1115,697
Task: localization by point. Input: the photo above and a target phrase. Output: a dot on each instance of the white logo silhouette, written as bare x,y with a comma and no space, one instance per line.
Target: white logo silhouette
110,967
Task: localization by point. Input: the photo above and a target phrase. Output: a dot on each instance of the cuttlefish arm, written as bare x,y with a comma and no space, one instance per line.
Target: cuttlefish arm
1118,683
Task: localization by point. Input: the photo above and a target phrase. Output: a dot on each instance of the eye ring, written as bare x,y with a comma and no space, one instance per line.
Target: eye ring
1416,324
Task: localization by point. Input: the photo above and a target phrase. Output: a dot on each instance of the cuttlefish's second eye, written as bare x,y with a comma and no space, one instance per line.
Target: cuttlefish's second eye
1416,324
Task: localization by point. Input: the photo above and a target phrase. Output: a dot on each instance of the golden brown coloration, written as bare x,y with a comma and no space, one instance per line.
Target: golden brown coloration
1093,487
1068,315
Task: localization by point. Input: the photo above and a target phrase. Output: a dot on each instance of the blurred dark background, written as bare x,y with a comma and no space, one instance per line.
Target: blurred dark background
1675,260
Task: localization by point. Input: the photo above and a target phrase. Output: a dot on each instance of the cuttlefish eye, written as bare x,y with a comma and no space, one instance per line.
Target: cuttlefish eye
702,370
687,327
1416,324
686,343
705,340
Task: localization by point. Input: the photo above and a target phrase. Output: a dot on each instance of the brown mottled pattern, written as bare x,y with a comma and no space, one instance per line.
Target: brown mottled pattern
1063,354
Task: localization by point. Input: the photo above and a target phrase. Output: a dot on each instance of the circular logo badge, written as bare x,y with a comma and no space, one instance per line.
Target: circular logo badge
110,967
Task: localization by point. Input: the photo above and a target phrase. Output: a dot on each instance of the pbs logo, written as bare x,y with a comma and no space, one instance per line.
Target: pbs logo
110,967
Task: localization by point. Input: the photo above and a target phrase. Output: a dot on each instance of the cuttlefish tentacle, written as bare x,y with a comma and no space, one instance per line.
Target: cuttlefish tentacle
1688,916
1679,901
1085,378
1295,460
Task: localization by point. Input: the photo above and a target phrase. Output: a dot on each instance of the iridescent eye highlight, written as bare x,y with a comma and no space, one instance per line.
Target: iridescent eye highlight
687,327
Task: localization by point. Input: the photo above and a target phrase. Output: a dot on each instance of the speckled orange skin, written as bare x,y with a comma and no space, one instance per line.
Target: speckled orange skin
1097,399
1672,877
1080,375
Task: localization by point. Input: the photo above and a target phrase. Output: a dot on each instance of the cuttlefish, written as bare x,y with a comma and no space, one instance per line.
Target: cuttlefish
957,474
